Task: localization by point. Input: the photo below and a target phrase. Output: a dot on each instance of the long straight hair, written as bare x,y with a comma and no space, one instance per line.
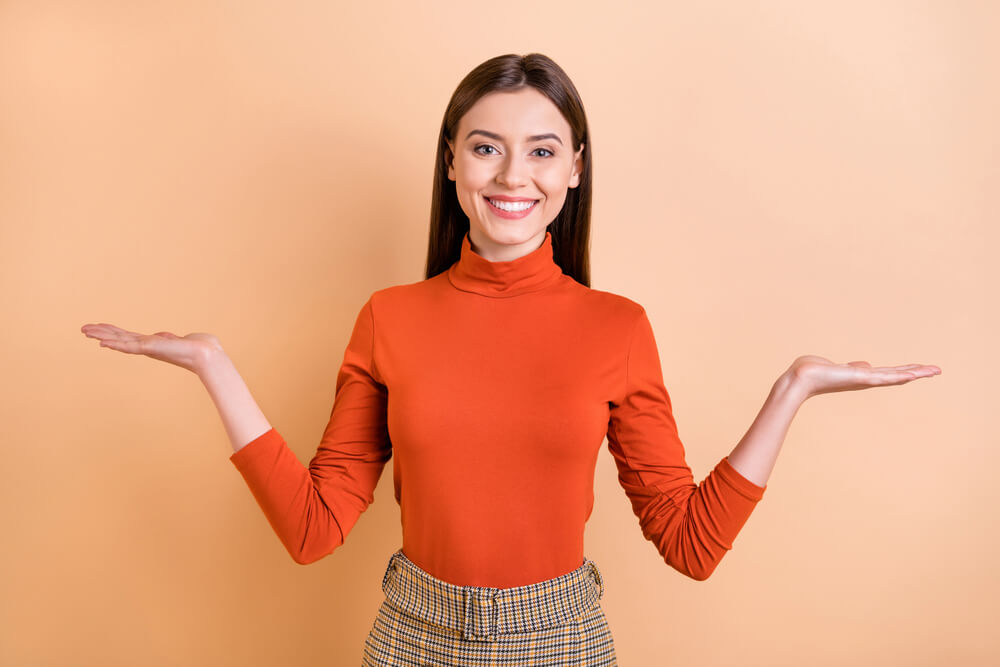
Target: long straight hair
571,228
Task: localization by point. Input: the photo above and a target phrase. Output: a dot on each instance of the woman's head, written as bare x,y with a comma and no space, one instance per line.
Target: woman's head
515,127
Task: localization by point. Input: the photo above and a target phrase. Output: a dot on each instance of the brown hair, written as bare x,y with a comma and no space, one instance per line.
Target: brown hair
571,228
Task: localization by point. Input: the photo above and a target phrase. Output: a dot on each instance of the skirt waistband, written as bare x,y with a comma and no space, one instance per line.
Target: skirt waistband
483,613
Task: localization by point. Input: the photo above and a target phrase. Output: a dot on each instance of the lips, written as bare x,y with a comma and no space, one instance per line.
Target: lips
508,198
511,215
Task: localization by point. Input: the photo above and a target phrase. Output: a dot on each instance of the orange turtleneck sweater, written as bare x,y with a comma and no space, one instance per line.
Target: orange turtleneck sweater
492,386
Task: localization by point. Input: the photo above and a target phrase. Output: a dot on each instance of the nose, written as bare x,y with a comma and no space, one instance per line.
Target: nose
513,173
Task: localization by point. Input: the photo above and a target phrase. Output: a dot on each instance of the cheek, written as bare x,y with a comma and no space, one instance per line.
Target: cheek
468,184
471,178
556,182
478,174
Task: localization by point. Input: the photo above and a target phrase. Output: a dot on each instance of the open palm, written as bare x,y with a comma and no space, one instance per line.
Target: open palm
188,351
816,375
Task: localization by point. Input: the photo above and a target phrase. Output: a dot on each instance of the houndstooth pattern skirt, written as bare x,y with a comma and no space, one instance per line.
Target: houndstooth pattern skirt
425,621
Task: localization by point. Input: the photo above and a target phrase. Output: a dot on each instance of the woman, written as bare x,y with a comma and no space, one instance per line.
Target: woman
492,384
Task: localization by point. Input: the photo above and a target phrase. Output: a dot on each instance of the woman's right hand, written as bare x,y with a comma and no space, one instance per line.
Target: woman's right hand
189,352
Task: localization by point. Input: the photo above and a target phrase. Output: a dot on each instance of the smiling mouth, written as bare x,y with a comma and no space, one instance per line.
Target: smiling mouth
511,206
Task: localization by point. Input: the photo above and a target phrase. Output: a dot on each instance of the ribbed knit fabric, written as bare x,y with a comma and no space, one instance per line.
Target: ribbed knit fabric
491,387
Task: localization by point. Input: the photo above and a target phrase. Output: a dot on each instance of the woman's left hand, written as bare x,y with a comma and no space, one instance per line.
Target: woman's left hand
814,375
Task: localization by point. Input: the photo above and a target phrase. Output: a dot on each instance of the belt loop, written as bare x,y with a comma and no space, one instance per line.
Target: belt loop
467,616
598,578
388,571
394,566
475,598
492,631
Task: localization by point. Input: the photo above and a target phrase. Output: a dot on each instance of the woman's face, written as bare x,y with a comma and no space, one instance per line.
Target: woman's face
512,146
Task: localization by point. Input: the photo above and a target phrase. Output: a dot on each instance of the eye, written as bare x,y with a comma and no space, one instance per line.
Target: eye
476,149
550,153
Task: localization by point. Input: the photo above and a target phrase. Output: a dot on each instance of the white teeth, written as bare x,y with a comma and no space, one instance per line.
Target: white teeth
512,205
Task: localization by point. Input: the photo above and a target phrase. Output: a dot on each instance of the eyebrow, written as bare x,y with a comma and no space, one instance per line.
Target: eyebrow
497,137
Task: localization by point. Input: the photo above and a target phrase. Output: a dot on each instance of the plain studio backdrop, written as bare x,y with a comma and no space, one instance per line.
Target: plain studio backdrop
771,179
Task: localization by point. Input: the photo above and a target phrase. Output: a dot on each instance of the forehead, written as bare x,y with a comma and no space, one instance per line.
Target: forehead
514,115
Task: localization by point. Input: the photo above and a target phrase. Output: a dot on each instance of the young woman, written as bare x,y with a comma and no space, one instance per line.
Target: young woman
492,384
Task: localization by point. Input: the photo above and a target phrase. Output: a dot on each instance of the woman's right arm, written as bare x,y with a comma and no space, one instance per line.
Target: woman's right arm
311,508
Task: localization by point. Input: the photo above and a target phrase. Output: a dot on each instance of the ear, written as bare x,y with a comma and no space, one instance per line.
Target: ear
574,178
449,159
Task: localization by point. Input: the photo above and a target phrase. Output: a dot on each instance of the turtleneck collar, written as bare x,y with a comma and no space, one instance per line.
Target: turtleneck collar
528,273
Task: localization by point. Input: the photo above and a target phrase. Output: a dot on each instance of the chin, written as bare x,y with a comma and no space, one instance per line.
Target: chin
512,233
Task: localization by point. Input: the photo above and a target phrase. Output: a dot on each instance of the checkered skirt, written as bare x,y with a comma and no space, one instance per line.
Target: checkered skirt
426,621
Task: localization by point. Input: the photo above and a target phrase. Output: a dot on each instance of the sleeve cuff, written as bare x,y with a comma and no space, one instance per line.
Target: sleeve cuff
267,441
740,483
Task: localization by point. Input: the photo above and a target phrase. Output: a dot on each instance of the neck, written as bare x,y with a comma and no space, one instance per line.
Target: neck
531,272
499,252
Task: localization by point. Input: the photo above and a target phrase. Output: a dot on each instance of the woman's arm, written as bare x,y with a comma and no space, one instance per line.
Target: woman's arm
240,413
754,456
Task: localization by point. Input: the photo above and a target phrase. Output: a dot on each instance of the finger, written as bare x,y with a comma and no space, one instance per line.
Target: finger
899,377
98,333
93,328
885,369
892,369
104,330
123,334
881,374
925,371
912,370
904,367
123,345
858,363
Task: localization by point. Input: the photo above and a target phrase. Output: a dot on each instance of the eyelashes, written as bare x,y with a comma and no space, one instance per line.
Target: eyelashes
476,150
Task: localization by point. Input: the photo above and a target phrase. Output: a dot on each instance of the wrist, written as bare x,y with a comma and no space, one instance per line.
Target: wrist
791,387
210,359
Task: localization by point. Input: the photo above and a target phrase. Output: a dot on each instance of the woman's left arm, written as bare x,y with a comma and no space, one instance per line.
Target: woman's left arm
809,375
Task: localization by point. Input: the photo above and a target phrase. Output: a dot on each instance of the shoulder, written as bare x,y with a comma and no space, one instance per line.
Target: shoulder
406,295
611,305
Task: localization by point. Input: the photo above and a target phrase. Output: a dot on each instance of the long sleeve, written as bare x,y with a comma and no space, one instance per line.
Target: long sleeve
692,526
313,509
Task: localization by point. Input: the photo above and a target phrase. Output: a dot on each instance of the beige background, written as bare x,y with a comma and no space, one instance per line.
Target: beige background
772,179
